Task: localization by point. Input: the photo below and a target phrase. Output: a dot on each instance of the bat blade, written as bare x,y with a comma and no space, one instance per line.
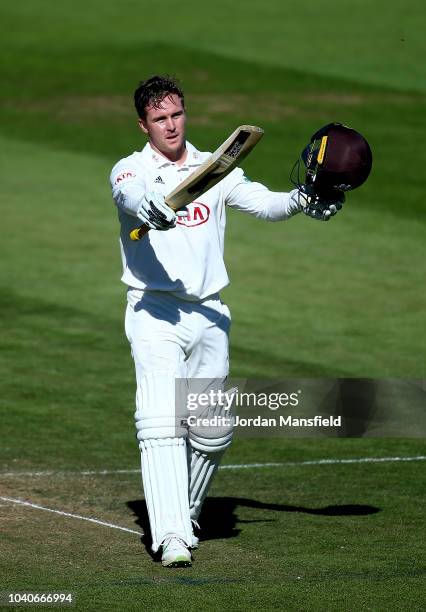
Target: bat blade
212,170
216,167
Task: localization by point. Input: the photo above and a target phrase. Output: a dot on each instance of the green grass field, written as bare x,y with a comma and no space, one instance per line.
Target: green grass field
309,300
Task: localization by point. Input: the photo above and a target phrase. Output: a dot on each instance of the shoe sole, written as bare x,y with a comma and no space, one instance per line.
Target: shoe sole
178,563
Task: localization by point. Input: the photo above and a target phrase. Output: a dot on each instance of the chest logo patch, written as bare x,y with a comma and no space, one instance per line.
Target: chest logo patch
198,213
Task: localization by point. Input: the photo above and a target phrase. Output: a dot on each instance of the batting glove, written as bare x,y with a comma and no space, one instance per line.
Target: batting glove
155,213
317,208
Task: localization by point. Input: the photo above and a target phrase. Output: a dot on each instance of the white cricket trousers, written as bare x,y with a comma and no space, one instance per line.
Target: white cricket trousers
190,339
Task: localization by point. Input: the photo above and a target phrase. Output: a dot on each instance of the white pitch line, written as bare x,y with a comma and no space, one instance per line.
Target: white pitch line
323,462
69,473
236,466
76,516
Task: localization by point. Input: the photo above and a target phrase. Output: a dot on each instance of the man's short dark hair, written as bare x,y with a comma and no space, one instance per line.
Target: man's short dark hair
153,91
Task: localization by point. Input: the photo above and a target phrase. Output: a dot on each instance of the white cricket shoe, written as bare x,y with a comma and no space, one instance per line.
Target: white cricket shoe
175,553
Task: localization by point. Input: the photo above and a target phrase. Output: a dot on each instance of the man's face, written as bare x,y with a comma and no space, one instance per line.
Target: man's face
165,127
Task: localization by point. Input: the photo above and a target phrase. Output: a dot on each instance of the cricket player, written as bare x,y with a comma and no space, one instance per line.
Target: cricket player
176,322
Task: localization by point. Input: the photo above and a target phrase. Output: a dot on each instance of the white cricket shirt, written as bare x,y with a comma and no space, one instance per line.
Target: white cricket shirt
187,260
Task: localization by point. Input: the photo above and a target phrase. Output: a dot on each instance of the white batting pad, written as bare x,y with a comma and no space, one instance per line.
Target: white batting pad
202,469
165,482
160,407
209,435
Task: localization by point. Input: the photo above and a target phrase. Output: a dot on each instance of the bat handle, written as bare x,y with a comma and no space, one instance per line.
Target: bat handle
139,232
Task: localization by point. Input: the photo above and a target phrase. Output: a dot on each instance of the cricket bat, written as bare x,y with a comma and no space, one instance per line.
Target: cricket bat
214,169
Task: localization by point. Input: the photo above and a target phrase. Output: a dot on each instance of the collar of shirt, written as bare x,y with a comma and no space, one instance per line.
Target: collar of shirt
192,161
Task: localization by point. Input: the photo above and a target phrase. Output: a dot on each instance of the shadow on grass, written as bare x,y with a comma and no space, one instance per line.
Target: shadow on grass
219,518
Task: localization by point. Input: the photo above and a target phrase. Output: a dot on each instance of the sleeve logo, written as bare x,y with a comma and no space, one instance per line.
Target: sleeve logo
123,176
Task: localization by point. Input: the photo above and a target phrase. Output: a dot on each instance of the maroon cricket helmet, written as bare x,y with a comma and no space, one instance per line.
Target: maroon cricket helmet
337,158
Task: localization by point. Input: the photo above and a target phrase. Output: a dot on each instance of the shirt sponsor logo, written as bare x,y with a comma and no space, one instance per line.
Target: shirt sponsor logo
198,213
123,176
